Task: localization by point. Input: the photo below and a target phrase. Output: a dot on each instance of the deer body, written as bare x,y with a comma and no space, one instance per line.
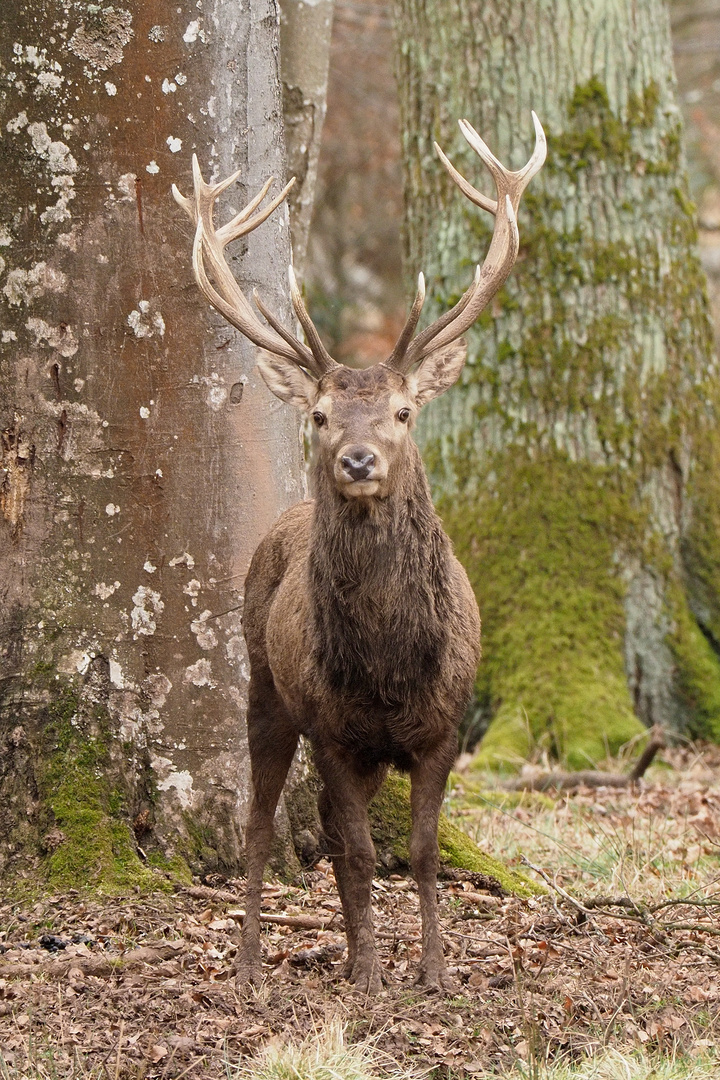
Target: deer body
362,629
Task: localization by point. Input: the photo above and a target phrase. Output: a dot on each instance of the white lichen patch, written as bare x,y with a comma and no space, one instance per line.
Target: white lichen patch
174,143
110,89
145,324
61,338
24,286
126,185
104,591
56,153
68,240
157,34
5,236
206,636
144,412
17,123
183,560
170,778
101,41
199,674
8,335
157,687
116,675
152,168
112,509
180,79
77,661
192,31
48,82
192,589
147,605
148,567
168,87
217,396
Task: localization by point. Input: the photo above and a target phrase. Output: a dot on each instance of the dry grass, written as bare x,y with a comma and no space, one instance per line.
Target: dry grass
324,1055
614,1065
659,844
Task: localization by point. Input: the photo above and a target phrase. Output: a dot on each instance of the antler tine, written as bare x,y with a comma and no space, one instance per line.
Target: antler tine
322,356
467,189
239,225
311,363
228,298
239,314
395,360
539,154
503,246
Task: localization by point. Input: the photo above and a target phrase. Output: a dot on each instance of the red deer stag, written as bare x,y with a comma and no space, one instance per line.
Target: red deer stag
361,626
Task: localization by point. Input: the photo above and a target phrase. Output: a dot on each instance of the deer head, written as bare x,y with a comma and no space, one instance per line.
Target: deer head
363,417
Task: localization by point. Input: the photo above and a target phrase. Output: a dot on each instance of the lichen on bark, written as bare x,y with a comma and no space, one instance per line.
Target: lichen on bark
573,465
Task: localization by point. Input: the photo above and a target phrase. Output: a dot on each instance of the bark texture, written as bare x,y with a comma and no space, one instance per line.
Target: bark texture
576,466
142,457
305,30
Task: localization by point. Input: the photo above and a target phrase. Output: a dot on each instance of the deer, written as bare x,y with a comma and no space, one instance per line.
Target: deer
362,629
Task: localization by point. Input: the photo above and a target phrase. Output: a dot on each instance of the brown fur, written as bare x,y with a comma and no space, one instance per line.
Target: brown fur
363,635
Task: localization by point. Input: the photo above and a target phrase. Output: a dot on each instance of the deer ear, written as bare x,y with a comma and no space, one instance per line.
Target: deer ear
438,372
286,380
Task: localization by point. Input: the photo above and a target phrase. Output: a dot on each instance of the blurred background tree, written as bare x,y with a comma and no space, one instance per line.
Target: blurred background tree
576,463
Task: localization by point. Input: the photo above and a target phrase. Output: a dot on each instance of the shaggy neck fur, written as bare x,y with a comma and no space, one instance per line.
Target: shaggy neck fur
380,583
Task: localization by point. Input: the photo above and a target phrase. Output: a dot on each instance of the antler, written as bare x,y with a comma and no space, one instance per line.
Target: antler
230,300
498,261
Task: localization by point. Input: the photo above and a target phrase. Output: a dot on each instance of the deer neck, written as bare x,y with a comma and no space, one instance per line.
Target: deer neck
380,586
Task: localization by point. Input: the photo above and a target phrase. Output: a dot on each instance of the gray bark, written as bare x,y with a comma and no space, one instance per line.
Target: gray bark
143,458
305,29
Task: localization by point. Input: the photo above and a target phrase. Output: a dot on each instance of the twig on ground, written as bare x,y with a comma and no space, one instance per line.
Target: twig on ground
592,778
556,888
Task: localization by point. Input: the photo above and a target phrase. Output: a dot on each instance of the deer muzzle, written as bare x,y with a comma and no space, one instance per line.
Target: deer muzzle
359,470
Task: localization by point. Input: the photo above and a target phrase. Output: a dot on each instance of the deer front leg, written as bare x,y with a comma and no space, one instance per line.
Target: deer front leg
428,779
343,807
272,742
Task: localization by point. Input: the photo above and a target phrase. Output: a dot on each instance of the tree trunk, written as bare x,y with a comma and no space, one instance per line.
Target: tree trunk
305,30
142,457
577,464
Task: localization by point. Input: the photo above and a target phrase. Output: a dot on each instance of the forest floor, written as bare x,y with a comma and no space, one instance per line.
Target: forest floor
141,986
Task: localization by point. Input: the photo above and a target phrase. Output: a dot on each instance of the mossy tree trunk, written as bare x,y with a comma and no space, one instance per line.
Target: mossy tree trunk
142,458
577,465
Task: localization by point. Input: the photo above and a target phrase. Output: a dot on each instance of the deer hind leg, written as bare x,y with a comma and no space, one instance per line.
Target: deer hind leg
272,741
428,779
343,811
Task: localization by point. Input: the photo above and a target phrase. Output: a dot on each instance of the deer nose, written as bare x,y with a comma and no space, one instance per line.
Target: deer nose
358,463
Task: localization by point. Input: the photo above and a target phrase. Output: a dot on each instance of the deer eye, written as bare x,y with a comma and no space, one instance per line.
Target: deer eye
319,418
403,416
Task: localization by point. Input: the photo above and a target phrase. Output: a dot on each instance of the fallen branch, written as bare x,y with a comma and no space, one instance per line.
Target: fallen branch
96,965
300,922
592,778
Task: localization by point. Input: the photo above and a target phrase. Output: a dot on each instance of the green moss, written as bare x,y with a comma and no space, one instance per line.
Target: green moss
391,822
698,672
98,848
175,868
552,605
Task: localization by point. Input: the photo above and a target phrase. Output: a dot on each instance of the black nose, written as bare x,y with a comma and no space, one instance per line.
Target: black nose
358,463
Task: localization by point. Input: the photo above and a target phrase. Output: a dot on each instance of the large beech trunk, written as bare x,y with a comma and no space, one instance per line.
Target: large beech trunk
577,466
142,457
